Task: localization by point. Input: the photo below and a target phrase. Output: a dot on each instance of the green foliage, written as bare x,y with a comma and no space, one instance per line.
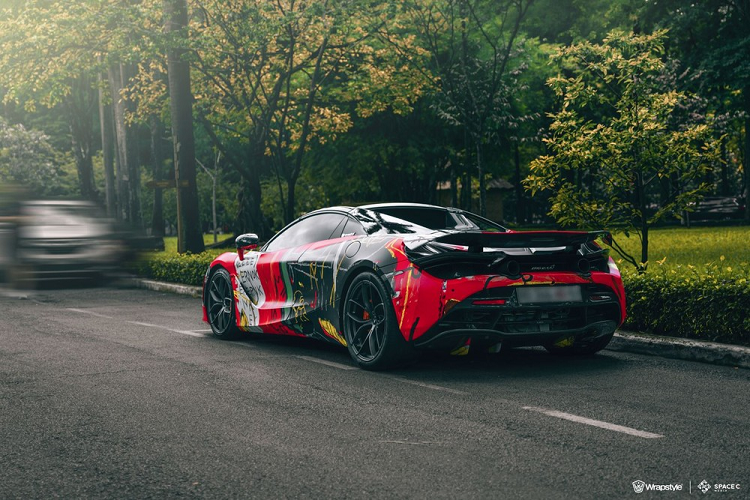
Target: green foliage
27,158
612,142
187,269
710,302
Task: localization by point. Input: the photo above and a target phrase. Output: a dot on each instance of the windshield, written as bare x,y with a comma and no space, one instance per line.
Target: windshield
435,218
380,223
59,215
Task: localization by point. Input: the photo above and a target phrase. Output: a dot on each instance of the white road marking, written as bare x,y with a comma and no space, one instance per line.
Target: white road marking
84,311
412,443
430,386
595,423
183,332
327,363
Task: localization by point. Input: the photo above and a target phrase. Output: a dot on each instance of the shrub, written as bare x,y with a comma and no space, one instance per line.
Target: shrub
187,269
707,303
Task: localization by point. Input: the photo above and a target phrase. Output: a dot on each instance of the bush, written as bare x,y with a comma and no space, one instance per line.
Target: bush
708,303
187,269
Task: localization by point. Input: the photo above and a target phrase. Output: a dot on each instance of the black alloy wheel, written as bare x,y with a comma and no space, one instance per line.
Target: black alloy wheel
220,305
370,328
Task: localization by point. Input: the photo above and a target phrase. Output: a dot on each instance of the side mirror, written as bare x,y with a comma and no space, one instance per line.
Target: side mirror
246,242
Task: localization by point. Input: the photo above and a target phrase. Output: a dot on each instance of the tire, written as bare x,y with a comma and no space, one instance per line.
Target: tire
371,331
220,307
581,348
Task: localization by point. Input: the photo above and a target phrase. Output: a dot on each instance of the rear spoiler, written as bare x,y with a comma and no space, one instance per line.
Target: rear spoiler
477,241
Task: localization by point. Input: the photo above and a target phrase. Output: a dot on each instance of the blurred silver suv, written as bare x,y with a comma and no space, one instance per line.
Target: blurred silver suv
63,239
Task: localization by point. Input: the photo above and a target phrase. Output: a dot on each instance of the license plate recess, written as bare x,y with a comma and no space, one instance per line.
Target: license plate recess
548,294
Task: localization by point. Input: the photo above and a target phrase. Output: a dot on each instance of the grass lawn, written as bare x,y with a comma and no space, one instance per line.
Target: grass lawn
697,246
170,243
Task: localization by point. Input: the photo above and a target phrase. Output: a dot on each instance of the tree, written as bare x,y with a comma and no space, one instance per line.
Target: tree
472,46
279,77
610,142
711,40
27,158
42,63
190,235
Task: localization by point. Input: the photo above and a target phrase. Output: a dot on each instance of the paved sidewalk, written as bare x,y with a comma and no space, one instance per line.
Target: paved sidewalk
640,343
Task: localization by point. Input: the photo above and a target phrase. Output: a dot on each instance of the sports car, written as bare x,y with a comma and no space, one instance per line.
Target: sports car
389,280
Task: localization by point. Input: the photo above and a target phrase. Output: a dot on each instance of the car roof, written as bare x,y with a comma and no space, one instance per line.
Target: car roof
375,206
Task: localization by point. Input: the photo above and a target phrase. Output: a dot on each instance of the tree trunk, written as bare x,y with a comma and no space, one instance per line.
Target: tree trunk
80,107
106,124
519,187
157,158
190,237
641,203
454,186
482,187
127,151
290,201
746,154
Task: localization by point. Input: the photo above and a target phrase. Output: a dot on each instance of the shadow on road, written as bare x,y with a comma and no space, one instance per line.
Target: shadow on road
521,363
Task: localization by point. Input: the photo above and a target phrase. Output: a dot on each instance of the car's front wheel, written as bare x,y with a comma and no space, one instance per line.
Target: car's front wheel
370,327
220,305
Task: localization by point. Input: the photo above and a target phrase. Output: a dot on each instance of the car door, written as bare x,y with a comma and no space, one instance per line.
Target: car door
276,286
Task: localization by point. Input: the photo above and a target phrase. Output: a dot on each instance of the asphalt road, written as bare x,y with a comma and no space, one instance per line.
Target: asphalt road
122,393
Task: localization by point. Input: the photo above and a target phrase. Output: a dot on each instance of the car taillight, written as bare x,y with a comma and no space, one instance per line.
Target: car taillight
489,302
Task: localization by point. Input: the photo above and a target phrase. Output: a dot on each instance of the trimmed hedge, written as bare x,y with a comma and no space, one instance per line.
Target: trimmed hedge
187,269
709,303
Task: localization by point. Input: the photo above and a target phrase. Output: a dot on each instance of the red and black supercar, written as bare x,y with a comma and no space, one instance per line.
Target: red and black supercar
387,280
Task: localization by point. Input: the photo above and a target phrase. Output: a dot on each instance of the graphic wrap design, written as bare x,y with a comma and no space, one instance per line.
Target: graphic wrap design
300,291
250,295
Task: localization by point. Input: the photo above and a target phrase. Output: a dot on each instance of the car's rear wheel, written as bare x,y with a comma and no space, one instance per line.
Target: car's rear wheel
370,327
220,305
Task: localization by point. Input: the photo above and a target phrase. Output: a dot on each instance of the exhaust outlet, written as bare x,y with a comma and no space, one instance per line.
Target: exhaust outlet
510,269
584,266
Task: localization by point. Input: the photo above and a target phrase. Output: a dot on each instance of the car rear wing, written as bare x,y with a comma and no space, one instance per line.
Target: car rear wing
477,241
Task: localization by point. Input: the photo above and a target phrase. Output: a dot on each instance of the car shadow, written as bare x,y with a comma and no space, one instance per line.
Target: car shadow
522,363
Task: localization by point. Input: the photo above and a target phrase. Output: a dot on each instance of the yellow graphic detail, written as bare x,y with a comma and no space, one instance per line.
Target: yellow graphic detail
521,283
408,271
331,331
299,307
566,342
461,351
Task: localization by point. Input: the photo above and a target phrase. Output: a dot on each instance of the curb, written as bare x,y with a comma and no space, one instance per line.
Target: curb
161,286
678,348
638,343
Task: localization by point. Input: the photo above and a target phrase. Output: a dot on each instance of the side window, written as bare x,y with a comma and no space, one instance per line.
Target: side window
353,228
315,228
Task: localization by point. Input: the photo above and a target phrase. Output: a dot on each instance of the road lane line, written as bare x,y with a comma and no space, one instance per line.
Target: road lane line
84,311
430,386
183,332
595,423
327,363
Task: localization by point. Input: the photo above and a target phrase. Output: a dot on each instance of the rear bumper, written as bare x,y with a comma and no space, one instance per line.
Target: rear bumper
443,339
